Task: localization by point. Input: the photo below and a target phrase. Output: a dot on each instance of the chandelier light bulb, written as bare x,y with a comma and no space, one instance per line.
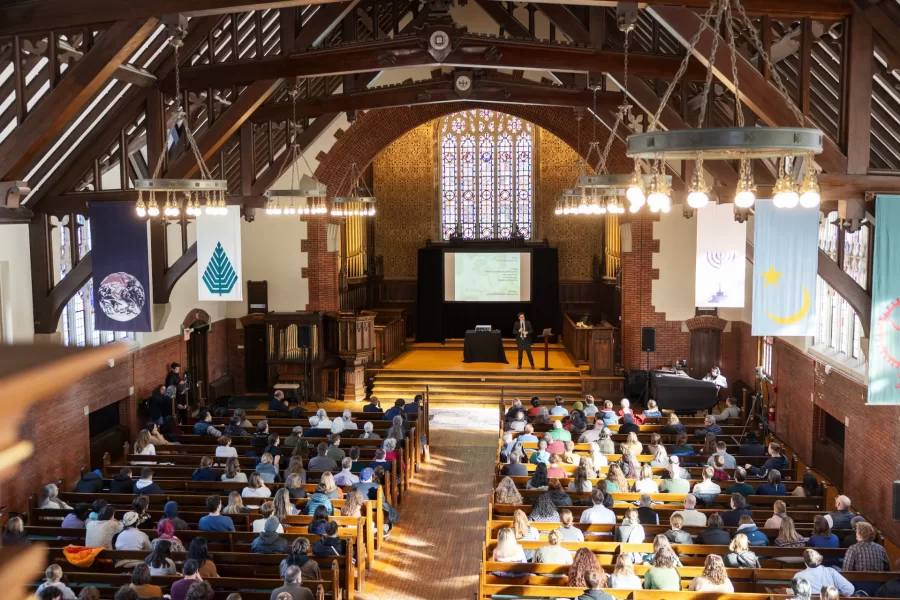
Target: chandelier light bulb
635,207
153,209
174,211
209,209
745,194
744,198
698,196
810,198
697,199
635,194
810,194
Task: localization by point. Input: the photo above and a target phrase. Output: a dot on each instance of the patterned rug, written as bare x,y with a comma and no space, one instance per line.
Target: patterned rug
478,419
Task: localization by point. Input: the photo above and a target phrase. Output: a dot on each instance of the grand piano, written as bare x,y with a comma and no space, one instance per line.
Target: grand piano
678,391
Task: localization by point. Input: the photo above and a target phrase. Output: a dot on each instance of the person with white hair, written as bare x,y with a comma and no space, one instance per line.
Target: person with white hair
692,517
368,432
605,442
598,458
709,426
660,457
337,426
292,587
840,518
348,420
592,435
676,478
324,421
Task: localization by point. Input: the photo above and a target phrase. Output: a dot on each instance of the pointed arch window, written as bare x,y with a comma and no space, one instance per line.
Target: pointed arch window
487,181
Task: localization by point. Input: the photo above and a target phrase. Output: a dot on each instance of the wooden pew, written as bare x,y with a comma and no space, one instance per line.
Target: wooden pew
500,511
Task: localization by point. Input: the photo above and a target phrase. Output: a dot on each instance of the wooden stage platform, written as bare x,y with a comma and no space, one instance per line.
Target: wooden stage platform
449,357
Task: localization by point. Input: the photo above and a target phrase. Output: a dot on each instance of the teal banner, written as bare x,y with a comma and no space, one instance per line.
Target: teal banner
884,345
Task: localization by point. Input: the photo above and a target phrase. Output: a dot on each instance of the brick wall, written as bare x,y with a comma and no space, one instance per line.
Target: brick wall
59,426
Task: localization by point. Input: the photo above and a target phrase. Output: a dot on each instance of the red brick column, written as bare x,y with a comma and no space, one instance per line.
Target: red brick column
322,272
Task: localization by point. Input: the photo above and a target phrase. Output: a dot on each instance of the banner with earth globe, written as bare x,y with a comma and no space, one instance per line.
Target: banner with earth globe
884,333
121,268
219,256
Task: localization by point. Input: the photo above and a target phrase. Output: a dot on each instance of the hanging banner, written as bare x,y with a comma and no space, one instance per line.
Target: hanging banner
884,345
121,268
785,264
219,256
721,255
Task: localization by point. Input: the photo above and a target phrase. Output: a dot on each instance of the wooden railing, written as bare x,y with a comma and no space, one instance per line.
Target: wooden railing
390,340
577,341
595,346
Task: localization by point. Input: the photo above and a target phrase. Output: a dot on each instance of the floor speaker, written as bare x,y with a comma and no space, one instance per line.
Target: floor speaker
648,339
897,500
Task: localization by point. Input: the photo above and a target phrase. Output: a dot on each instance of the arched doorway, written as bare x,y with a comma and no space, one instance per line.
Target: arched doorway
196,367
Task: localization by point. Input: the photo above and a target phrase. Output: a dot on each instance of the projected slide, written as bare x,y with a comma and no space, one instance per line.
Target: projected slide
487,277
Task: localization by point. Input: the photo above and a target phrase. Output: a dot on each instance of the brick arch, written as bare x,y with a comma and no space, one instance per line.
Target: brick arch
376,129
706,322
196,314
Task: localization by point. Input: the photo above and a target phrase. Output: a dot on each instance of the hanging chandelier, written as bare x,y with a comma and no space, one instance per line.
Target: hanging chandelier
306,191
784,144
359,203
576,200
191,191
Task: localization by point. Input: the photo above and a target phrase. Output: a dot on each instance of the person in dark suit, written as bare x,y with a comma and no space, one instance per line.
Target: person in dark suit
522,330
278,403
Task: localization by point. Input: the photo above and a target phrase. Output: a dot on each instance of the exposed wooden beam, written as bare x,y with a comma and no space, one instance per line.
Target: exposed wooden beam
32,16
72,93
762,97
10,216
323,23
568,23
436,92
408,51
858,90
509,23
841,282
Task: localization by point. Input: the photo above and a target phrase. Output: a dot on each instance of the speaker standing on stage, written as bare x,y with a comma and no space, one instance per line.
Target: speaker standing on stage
522,330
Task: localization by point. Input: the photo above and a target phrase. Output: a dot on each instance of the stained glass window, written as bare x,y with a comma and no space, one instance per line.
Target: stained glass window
487,175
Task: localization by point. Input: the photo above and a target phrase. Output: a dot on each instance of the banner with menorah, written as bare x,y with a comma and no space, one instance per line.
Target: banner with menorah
219,257
721,258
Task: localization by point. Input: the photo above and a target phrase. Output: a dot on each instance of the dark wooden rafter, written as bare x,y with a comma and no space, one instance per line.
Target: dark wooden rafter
72,94
859,47
407,51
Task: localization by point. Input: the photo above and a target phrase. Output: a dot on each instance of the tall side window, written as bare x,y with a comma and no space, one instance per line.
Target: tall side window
767,354
487,175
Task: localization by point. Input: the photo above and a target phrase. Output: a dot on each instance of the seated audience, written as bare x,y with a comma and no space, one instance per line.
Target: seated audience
170,510
682,447
673,425
553,553
508,549
266,468
776,461
292,586
299,557
732,517
608,415
731,410
615,479
675,534
740,555
840,518
584,563
50,498
141,583
822,537
233,471
779,511
256,488
800,588
646,514
145,484
676,479
541,455
628,425
100,533
539,479
568,532
234,428
663,575
581,482
590,409
598,514
721,450
866,554
751,446
706,490
528,436
266,510
204,425
269,540
224,449
214,521
714,577
179,589
709,426
122,483
14,533
199,551
507,493
319,520
322,462
890,589
559,410
205,472
279,403
165,533
740,485
789,538
818,575
320,497
514,468
630,531
374,406
755,537
623,577
652,411
54,576
645,483
809,487
160,560
690,515
715,533
773,487
556,494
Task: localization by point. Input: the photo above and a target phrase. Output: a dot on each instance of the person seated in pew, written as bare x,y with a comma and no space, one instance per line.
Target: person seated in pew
294,486
721,450
266,469
652,411
293,439
809,487
510,446
510,415
789,538
706,490
292,588
776,461
673,425
675,534
331,489
535,407
50,498
714,577
841,517
645,513
623,577
233,471
630,531
556,494
631,444
866,554
353,503
554,469
14,533
225,450
681,447
368,432
581,483
544,510
715,533
170,429
554,446
645,483
54,580
319,497
131,538
542,417
822,537
748,527
731,410
160,560
590,409
709,444
205,472
144,447
663,575
234,428
660,543
568,532
774,487
539,479
90,483
779,512
179,589
596,458
850,538
366,485
199,551
374,406
615,479
577,423
346,477
394,411
272,447
655,443
299,557
751,446
145,484
507,493
397,430
527,435
269,541
541,455
590,435
141,506
552,553
799,588
122,483
569,457
690,515
261,437
598,514
585,570
557,433
76,518
625,409
740,555
214,521
165,532
709,426
517,423
628,425
266,510
514,468
278,403
357,465
819,575
829,593
719,472
508,549
890,589
204,425
201,590
559,410
330,544
170,510
320,518
322,462
676,479
608,414
141,583
732,517
284,508
740,485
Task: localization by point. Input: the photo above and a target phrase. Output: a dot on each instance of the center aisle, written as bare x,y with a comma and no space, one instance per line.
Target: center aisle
434,551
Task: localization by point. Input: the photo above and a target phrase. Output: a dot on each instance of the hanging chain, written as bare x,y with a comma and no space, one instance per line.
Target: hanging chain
738,105
681,68
707,84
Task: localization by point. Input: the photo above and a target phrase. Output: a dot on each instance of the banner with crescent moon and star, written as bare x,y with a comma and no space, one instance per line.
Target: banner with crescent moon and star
785,265
884,345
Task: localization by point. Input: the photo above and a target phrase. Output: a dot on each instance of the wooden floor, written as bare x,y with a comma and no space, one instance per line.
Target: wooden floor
433,359
434,551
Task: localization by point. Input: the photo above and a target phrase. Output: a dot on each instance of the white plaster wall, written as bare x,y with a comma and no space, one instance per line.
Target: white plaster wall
673,292
16,310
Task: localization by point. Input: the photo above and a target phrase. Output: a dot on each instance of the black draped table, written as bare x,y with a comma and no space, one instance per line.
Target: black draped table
484,346
681,392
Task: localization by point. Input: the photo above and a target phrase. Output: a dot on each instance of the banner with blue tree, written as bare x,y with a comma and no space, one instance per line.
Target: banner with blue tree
219,256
